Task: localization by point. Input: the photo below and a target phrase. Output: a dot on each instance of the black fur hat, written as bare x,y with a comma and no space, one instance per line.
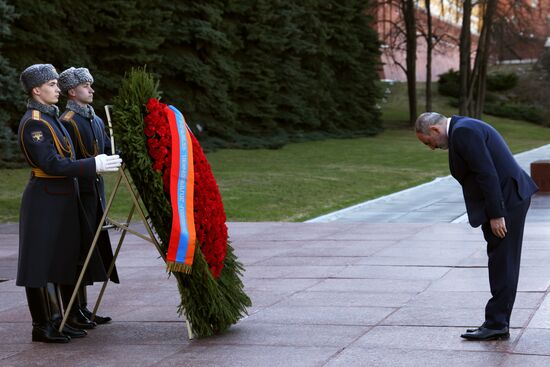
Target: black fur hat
36,75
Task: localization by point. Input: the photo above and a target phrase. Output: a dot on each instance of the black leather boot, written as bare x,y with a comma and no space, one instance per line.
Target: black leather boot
76,318
83,303
43,329
56,316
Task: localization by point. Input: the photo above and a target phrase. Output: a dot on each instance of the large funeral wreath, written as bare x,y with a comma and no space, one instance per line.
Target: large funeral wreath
212,294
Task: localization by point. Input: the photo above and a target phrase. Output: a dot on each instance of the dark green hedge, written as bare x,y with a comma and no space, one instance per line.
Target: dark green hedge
245,73
516,111
501,81
496,102
9,94
449,84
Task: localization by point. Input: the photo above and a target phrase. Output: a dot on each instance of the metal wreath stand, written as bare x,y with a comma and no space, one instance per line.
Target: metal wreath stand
122,176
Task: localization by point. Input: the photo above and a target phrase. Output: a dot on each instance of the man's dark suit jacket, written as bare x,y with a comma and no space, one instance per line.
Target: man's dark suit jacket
492,181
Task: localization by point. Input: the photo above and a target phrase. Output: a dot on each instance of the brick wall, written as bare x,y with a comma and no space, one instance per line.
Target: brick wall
521,32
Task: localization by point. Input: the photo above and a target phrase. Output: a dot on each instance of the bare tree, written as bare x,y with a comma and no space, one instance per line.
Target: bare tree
479,73
434,33
520,29
408,10
400,23
472,95
398,33
429,49
465,49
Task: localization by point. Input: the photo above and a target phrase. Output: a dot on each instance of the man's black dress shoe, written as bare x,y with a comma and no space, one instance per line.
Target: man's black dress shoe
472,330
100,320
482,334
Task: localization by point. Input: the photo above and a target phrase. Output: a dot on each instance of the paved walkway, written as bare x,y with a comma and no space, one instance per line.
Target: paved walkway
438,201
324,294
341,293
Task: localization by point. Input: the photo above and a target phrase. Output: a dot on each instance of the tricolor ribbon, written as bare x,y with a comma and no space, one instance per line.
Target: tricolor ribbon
181,247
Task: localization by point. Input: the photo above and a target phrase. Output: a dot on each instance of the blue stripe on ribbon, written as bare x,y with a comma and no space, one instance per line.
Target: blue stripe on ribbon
182,186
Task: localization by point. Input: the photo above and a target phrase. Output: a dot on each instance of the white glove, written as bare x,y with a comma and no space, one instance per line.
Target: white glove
107,163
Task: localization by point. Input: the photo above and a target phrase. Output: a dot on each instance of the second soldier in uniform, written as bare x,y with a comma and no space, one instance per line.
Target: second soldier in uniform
90,140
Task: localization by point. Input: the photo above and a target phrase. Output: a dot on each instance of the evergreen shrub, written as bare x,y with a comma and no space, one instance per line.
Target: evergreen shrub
247,74
516,111
501,81
449,84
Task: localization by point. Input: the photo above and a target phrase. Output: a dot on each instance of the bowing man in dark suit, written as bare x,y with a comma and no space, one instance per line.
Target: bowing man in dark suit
497,193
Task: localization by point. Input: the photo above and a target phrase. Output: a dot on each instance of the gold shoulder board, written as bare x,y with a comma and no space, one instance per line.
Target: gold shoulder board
67,116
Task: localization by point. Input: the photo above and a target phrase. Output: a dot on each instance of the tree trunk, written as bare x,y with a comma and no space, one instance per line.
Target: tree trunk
409,13
429,42
465,68
482,58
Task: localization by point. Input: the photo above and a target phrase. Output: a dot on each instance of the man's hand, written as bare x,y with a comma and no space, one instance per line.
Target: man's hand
498,226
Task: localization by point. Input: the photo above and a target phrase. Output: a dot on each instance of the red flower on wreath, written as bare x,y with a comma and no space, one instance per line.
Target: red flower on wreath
210,216
209,212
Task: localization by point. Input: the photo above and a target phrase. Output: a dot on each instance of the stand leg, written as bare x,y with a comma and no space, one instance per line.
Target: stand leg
189,331
153,239
142,215
112,266
92,248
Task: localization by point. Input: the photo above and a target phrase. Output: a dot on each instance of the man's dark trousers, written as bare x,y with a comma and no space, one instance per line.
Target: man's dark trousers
504,263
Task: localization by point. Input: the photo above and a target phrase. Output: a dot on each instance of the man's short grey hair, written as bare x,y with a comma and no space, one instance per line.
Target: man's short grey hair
427,119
